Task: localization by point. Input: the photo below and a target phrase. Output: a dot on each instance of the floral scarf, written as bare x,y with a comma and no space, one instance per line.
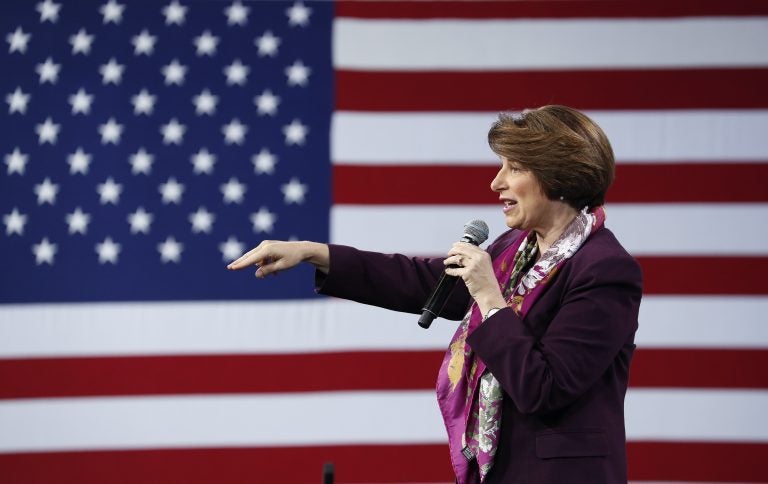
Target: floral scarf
468,394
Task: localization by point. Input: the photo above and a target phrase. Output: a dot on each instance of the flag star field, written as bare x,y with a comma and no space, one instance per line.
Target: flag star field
129,126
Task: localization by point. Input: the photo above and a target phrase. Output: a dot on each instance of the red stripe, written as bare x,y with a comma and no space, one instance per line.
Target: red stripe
705,368
683,461
589,89
705,275
160,375
420,184
548,9
694,182
393,370
637,183
697,461
354,463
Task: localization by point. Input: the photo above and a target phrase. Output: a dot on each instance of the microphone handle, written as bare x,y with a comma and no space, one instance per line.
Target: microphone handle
437,300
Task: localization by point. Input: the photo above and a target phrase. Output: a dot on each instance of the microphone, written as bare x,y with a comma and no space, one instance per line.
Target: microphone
475,232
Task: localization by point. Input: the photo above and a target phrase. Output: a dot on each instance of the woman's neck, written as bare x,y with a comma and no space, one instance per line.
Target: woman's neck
560,218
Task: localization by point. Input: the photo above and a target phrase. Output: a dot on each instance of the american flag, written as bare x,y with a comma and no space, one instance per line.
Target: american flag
145,144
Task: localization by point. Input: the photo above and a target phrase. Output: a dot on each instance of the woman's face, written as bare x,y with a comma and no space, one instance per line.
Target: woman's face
526,207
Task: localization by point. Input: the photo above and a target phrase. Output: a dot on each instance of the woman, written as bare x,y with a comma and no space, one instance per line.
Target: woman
532,385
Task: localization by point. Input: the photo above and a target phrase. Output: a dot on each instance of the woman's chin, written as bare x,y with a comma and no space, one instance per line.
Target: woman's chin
512,222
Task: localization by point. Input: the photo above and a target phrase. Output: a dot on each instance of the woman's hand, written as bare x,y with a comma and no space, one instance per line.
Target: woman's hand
272,256
476,270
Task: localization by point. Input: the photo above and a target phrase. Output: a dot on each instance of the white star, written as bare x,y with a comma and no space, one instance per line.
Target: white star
109,191
203,162
18,41
48,71
44,252
14,222
112,12
141,162
263,220
48,11
294,191
46,192
108,251
173,132
78,162
143,103
144,43
201,221
236,73
237,14
170,250
81,42
295,133
111,72
234,132
264,162
266,103
233,191
267,44
298,74
110,132
298,14
174,13
81,102
16,161
231,249
206,44
140,221
47,132
205,103
78,221
17,101
171,191
174,73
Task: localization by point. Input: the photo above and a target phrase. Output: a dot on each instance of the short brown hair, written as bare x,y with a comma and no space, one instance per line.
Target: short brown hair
567,152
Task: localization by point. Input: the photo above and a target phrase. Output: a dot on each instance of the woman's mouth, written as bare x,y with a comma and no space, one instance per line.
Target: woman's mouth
508,205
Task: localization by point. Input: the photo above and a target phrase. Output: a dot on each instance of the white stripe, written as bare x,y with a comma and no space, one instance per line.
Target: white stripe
703,322
701,415
271,420
636,136
548,44
125,329
643,229
333,418
236,327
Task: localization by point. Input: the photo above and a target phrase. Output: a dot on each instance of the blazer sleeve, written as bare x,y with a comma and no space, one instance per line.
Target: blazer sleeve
597,315
391,281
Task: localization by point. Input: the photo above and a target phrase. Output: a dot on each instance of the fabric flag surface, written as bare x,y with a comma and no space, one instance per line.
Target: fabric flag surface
146,144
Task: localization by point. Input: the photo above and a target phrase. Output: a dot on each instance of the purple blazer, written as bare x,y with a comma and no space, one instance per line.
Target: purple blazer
564,368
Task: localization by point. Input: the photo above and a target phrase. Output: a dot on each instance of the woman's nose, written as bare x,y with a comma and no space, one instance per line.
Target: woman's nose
497,184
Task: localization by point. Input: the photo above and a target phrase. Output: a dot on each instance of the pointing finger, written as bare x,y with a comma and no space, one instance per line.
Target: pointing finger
251,257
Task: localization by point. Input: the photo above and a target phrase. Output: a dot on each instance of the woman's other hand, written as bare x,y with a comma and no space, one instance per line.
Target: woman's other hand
475,268
273,256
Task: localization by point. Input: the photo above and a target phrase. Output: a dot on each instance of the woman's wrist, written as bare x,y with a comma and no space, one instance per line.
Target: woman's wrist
491,301
317,254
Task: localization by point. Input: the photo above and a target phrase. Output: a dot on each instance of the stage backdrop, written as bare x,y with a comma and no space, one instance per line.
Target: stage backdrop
146,144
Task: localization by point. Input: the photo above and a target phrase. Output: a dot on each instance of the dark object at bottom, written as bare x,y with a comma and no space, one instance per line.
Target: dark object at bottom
328,473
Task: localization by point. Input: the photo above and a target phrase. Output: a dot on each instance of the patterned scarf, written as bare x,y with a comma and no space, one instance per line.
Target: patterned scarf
468,394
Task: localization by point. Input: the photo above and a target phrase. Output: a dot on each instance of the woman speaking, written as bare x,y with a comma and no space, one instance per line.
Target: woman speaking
532,385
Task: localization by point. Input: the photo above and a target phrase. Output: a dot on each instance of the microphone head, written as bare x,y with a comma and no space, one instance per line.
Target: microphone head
477,231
